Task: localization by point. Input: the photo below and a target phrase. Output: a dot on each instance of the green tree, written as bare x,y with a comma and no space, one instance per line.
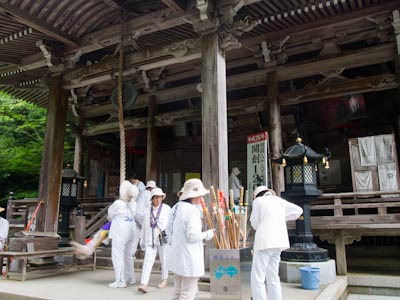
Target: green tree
22,129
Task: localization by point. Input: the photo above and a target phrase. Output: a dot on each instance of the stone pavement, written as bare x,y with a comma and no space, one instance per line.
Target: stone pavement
88,285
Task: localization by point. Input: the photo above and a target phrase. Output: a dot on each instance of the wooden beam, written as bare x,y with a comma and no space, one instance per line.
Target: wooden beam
346,19
325,91
147,24
37,24
352,59
175,5
253,105
168,54
189,49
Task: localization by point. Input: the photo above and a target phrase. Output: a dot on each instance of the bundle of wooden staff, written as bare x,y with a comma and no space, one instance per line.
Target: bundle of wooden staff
230,234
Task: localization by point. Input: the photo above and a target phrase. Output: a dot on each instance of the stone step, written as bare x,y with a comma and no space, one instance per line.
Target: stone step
373,284
137,263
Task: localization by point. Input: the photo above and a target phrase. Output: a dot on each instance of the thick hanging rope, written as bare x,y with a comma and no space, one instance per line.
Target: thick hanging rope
122,149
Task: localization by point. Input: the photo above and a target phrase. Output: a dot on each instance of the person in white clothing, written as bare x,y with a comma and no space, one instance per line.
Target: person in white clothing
153,238
234,184
268,218
4,227
185,253
122,234
144,202
101,236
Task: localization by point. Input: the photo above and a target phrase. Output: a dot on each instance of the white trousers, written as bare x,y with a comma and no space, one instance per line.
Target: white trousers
122,259
149,258
185,288
135,242
265,266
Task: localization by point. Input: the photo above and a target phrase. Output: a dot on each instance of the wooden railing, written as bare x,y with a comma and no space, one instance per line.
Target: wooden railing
20,211
341,218
350,209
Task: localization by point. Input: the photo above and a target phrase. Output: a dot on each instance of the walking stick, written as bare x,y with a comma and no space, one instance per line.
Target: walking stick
246,203
240,214
223,242
34,215
229,221
210,223
232,213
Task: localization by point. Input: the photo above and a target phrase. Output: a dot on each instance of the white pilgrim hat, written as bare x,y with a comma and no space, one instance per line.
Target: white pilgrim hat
193,188
157,192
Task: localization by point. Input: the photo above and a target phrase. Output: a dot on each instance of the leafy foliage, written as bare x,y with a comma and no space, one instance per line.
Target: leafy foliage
22,129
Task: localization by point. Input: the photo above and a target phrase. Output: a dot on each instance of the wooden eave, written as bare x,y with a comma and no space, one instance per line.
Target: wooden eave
75,28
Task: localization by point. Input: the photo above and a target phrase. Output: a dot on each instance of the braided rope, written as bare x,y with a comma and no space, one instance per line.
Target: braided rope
122,149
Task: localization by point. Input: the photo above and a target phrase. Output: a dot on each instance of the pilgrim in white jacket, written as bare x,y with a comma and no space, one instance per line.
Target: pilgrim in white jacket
268,218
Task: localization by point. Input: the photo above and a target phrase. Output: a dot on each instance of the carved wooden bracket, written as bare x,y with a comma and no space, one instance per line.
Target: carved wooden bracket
230,32
181,48
348,239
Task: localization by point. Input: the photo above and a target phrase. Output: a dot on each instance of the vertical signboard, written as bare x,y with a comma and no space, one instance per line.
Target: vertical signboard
257,160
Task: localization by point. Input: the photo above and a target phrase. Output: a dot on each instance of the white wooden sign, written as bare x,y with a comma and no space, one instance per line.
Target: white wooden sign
257,160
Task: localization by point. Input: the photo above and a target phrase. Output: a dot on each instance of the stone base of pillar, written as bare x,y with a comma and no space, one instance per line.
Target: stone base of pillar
290,272
305,252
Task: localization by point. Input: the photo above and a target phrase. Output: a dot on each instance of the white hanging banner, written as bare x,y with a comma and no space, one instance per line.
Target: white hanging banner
257,160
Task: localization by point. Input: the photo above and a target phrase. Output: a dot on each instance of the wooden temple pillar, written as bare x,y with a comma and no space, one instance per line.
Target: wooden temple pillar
79,140
276,131
214,114
52,160
396,60
152,144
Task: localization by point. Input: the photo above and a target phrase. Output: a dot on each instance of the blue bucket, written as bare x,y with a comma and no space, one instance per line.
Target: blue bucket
309,278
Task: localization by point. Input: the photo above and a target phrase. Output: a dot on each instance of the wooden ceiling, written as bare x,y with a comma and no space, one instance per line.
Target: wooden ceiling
305,41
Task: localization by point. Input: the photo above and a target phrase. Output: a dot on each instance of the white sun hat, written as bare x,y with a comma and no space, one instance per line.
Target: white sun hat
157,192
151,184
263,188
193,188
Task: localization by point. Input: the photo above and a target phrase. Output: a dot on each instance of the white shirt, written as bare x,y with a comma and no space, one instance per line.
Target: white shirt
268,218
143,202
123,226
185,254
4,226
149,235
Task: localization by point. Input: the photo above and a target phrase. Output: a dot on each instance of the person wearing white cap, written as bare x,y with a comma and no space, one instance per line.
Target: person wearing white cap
153,238
234,184
185,254
122,234
268,218
4,227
